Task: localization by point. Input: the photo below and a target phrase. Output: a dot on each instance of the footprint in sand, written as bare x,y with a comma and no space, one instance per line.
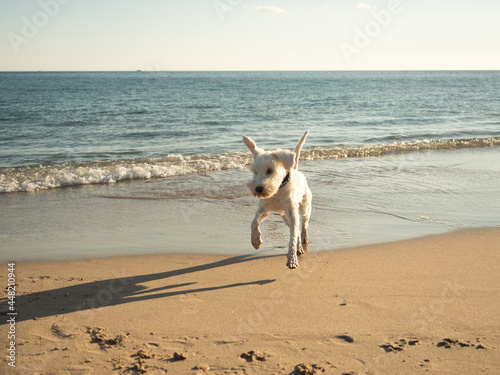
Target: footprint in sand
426,363
308,369
449,343
65,330
345,338
253,356
398,346
100,336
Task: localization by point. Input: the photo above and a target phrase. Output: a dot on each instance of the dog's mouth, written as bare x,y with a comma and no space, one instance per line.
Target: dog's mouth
259,195
265,194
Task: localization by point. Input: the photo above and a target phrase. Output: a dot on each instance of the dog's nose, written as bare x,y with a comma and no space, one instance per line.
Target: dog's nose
259,189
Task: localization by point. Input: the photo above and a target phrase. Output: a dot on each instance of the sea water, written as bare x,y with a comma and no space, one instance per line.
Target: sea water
114,163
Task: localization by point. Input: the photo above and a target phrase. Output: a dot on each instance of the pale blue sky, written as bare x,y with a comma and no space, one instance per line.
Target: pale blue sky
249,35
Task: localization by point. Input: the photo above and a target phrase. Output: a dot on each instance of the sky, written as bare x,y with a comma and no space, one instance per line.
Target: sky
201,35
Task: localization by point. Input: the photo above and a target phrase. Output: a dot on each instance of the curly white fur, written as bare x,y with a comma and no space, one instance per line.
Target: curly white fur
292,200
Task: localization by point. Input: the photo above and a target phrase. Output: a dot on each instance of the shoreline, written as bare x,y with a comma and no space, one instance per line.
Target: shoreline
352,206
429,303
252,253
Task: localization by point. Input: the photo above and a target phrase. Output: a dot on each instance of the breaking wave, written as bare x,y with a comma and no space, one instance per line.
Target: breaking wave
42,177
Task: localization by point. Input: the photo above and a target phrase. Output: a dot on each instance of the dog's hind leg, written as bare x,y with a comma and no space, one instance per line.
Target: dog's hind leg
305,210
302,246
286,220
294,245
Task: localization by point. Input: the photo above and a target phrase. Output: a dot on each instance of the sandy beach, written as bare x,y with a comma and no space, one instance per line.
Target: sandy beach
426,305
135,139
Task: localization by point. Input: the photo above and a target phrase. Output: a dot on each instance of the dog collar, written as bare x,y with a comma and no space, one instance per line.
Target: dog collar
285,180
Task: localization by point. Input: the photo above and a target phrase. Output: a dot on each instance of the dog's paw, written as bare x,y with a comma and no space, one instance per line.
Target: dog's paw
302,249
292,263
256,239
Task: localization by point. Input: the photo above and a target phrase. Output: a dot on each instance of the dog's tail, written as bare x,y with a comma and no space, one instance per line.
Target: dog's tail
298,148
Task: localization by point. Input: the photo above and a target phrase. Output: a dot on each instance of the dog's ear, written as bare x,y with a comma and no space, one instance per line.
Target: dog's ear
286,157
251,146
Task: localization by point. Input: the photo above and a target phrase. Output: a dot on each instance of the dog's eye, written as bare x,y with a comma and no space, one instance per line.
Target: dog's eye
269,171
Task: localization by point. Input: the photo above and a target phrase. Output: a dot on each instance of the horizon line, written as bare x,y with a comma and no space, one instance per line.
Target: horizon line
248,70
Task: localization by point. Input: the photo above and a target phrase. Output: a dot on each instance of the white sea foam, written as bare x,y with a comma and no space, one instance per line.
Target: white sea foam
33,178
65,175
321,153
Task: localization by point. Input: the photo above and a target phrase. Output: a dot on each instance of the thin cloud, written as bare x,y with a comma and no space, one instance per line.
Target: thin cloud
270,9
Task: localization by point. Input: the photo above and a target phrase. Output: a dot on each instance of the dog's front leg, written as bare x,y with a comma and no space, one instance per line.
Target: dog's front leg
261,215
294,244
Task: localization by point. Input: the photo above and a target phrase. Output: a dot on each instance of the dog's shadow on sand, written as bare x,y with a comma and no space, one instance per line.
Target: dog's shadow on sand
117,291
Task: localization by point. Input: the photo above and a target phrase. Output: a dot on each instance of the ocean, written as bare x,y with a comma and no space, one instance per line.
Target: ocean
114,163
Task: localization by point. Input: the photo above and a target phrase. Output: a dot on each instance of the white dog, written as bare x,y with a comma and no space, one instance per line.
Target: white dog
281,188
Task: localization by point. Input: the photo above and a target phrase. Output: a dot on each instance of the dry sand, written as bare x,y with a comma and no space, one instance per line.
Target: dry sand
428,305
